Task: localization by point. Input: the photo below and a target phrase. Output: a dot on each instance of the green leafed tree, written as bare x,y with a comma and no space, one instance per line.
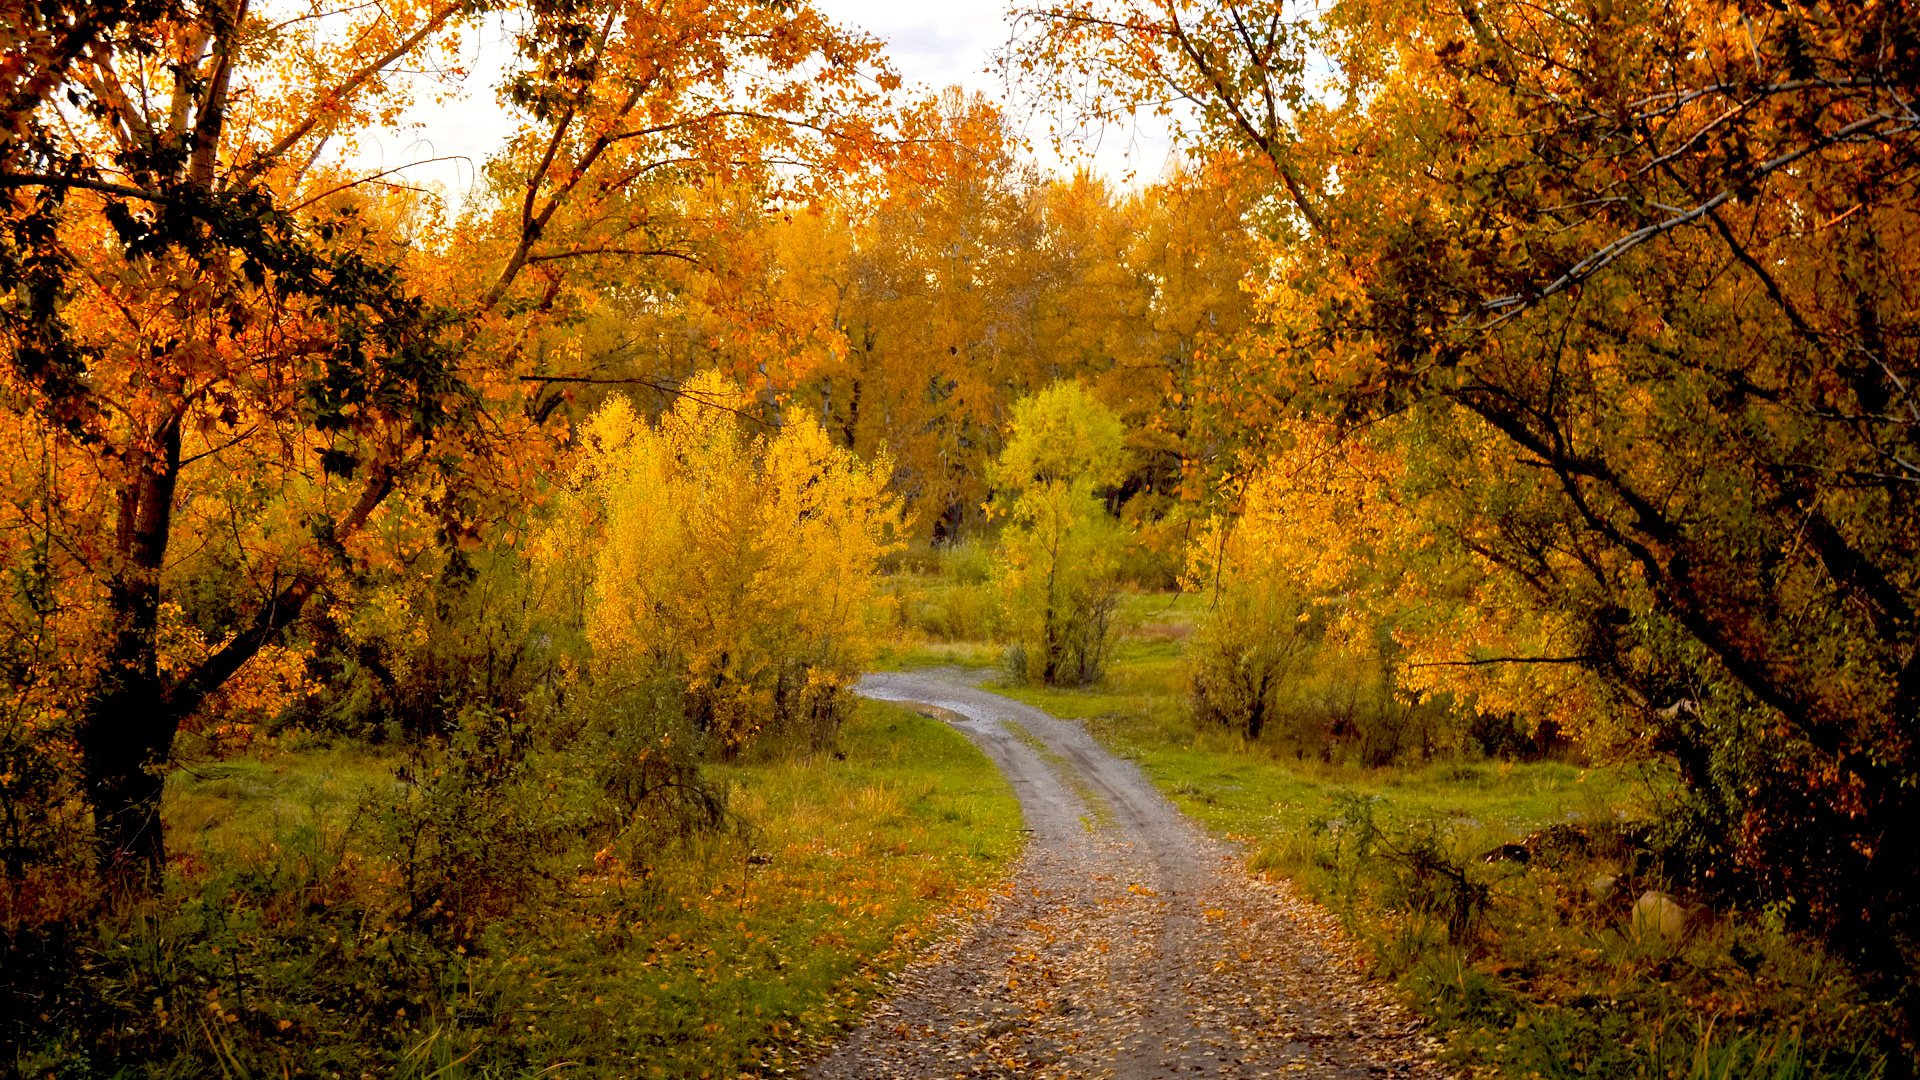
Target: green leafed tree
1059,553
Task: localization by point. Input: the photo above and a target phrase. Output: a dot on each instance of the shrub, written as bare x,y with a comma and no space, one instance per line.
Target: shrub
1263,621
1284,647
1413,866
743,567
468,824
629,766
461,629
1241,660
39,827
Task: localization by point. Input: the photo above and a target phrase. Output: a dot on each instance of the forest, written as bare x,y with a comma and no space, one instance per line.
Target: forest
673,610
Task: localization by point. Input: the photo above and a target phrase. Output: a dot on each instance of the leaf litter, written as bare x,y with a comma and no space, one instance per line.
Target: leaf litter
1126,944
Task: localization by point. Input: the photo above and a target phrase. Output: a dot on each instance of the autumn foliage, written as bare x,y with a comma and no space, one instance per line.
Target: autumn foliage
742,565
1058,559
1513,376
235,352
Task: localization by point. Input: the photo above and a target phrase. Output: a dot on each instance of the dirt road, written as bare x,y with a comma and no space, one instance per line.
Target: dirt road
1129,944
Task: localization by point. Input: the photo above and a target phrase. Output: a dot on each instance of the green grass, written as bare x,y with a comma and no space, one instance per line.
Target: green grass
753,951
1265,798
236,810
279,948
905,654
762,962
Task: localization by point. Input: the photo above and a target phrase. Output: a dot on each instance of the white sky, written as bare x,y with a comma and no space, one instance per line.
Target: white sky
938,43
933,44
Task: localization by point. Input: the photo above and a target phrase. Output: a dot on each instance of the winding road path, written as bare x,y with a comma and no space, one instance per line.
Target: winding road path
1129,944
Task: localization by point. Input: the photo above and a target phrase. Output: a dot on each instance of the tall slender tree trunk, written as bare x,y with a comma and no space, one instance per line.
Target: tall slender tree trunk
126,729
852,426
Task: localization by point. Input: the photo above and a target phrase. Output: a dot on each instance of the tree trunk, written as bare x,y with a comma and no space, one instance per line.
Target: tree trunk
852,426
125,738
126,729
131,717
1257,714
1049,646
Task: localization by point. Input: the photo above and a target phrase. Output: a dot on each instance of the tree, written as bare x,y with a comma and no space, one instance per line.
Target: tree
913,317
743,568
212,315
899,307
937,301
1058,554
1297,544
1345,562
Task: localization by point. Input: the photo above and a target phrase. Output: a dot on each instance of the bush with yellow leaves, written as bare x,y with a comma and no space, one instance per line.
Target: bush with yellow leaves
741,563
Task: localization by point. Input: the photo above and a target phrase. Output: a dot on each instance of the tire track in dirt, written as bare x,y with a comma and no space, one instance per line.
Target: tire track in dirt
1128,944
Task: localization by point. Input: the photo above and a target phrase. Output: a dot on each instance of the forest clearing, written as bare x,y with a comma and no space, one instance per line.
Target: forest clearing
722,538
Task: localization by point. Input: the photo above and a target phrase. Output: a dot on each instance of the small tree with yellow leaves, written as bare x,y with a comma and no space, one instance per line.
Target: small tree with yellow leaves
1059,556
741,565
1335,618
1281,576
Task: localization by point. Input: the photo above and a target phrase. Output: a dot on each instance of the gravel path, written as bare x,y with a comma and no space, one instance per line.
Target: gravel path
1129,944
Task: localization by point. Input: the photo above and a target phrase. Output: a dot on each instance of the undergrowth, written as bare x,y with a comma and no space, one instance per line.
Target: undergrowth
290,943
